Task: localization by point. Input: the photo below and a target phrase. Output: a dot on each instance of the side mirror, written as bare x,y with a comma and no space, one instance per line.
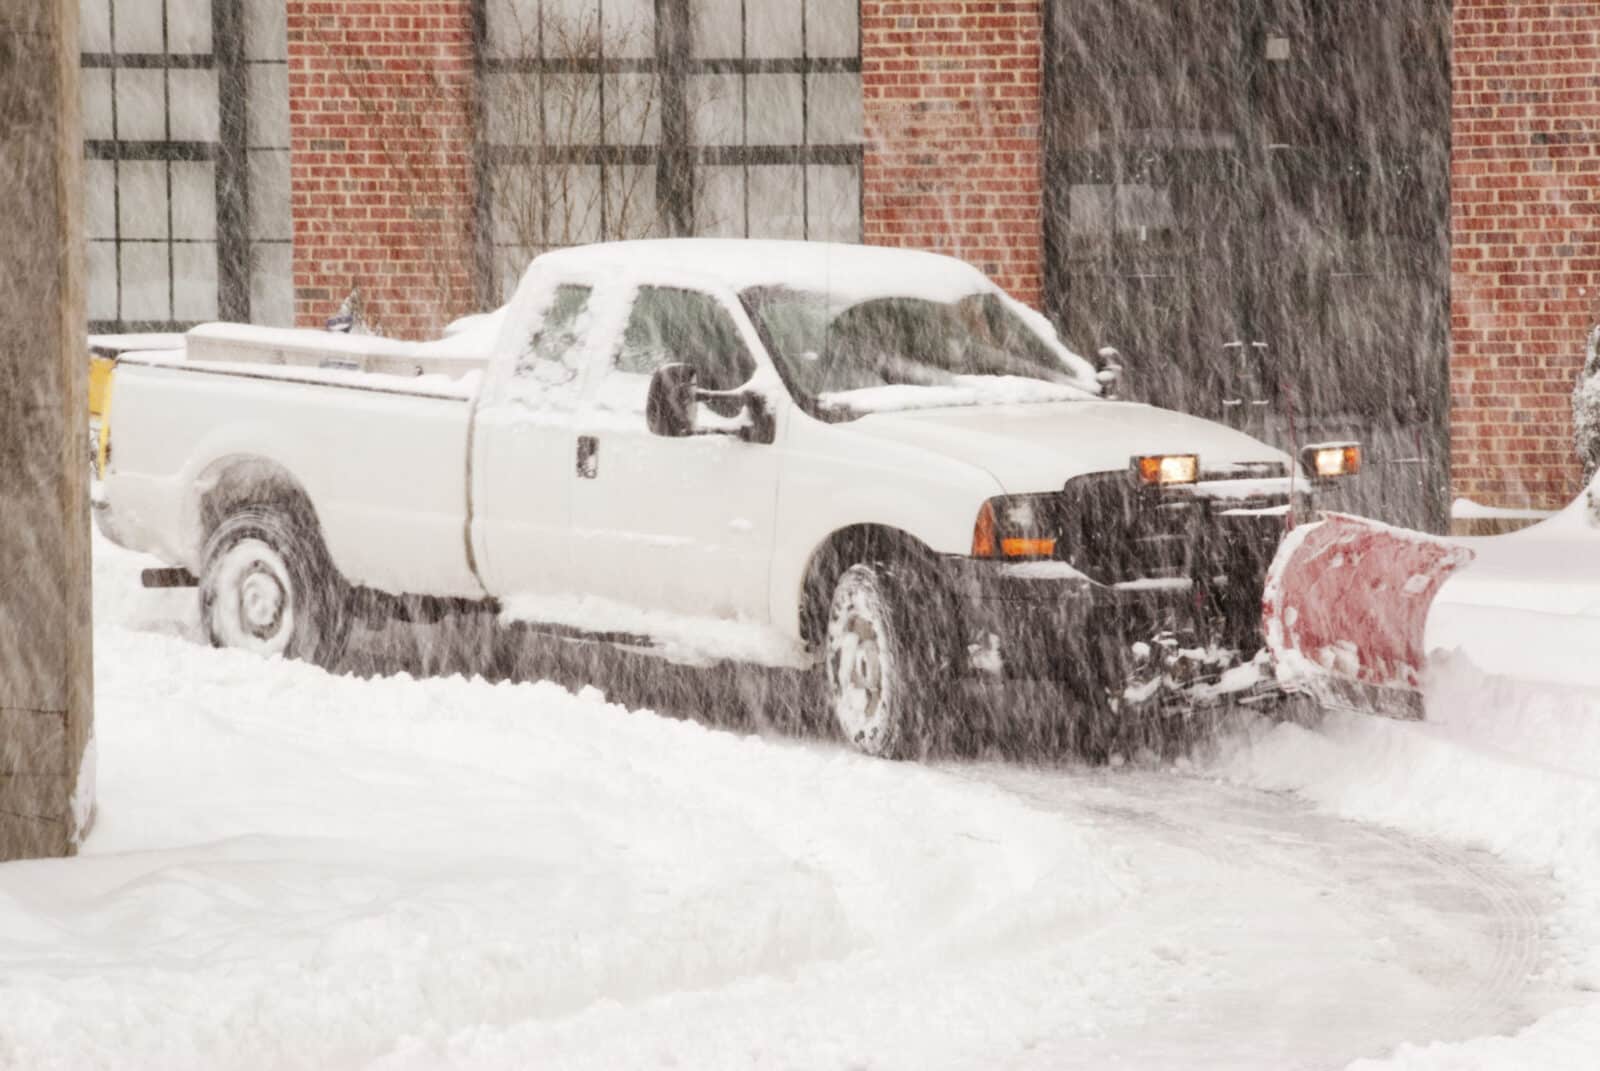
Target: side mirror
670,406
1108,371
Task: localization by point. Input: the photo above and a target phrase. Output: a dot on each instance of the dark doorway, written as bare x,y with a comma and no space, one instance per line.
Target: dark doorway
1250,199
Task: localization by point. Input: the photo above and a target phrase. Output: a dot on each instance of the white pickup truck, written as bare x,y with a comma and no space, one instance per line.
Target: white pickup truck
866,460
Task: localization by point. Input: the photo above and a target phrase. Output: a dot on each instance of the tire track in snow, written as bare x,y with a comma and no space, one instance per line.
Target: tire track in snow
1469,929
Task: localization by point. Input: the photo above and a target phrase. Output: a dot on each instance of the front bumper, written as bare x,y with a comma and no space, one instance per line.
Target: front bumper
1046,620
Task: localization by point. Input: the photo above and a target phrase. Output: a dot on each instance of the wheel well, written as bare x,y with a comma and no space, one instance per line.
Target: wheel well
844,548
244,482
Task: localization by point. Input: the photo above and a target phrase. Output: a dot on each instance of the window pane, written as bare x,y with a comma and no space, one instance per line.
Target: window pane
550,363
194,281
271,285
716,109
571,29
138,25
269,194
144,281
269,105
265,37
833,109
774,109
194,105
772,28
518,205
831,28
716,29
102,268
94,25
633,109
189,26
194,200
833,203
99,199
776,205
631,203
513,109
95,91
629,29
510,263
574,204
668,326
142,190
719,202
141,109
572,109
513,27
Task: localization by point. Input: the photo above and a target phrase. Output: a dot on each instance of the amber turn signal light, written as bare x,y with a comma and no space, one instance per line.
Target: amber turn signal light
1027,548
987,542
984,541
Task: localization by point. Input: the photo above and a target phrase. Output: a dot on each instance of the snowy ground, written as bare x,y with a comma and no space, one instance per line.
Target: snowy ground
291,869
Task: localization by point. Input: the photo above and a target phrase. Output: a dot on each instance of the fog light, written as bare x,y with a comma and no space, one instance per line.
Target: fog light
1329,461
1162,469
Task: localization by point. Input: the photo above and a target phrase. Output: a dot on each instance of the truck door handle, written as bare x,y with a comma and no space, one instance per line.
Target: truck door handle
588,457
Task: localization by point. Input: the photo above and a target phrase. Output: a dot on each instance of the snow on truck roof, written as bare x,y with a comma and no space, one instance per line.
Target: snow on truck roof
856,271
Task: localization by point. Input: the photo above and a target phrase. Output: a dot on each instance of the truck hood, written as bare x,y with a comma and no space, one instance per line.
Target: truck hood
1039,447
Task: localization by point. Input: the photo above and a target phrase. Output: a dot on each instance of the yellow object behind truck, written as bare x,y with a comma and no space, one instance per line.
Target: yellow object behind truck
103,353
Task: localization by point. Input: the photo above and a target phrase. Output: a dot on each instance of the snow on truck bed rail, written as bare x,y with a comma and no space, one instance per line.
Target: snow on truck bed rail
449,368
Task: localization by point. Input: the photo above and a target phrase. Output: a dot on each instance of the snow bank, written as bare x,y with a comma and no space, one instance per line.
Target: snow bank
291,869
1505,767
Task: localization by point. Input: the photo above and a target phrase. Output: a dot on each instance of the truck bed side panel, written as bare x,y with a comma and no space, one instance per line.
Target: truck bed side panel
385,470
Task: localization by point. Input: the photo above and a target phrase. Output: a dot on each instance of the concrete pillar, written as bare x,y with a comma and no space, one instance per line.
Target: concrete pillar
46,698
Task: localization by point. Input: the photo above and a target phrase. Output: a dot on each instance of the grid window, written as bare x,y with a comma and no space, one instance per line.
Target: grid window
612,119
169,186
271,226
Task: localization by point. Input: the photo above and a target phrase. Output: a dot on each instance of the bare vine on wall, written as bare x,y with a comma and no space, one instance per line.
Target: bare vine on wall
559,196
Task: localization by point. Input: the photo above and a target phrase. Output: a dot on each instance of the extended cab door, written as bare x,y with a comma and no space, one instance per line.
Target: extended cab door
522,446
681,525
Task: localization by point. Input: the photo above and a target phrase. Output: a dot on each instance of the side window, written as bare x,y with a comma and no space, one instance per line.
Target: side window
552,359
668,325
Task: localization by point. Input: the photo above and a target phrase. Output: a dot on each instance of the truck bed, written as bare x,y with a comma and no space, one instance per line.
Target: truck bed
383,454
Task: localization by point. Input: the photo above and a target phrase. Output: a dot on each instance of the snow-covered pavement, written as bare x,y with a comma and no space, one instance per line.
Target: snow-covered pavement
291,869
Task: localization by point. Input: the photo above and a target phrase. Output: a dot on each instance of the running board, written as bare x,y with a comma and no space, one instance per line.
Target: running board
581,635
177,577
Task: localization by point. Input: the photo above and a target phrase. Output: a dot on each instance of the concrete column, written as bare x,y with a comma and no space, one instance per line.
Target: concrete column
46,680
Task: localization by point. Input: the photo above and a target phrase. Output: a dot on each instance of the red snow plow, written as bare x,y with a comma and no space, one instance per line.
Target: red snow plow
1345,608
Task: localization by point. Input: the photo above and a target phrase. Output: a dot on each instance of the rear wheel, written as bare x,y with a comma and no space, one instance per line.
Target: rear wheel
887,660
267,585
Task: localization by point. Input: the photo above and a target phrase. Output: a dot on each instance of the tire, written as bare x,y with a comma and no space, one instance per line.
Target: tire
887,662
267,585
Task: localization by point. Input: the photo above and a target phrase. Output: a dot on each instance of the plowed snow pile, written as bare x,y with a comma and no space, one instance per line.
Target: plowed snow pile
292,869
296,870
1508,767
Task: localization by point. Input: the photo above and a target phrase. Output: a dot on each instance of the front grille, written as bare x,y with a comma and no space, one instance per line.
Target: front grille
1113,530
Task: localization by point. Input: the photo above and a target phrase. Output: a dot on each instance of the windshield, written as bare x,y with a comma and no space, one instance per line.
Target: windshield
908,353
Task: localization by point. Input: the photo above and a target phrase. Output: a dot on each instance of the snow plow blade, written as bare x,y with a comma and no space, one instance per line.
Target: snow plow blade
1345,608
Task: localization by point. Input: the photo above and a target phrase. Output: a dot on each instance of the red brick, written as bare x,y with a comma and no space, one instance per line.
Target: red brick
382,101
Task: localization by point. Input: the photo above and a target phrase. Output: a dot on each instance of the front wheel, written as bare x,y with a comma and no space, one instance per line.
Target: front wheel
268,586
886,663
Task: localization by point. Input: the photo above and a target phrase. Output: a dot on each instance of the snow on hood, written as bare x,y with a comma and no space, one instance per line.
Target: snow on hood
1039,447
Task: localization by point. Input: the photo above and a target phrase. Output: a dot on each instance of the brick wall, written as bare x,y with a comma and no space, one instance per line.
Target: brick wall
951,100
380,121
1525,221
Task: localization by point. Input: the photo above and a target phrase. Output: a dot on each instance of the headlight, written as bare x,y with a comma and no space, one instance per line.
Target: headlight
1329,461
1010,528
1159,470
